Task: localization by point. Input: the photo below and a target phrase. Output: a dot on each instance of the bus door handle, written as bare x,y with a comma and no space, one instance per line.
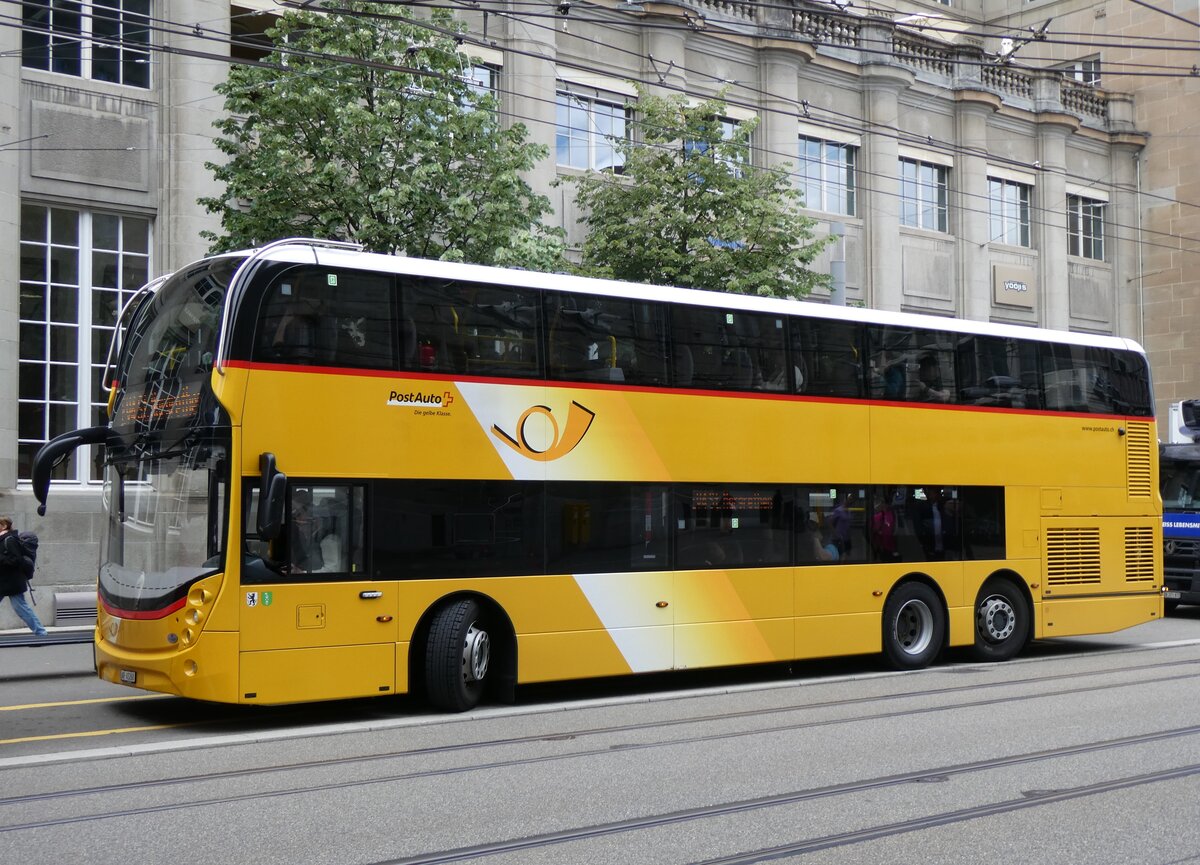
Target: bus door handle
370,596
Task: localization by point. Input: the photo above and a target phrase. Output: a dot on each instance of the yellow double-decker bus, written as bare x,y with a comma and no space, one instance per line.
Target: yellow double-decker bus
333,474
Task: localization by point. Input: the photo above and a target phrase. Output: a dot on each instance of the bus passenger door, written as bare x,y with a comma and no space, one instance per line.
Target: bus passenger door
312,626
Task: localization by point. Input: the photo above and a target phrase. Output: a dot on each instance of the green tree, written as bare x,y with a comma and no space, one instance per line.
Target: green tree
688,208
365,128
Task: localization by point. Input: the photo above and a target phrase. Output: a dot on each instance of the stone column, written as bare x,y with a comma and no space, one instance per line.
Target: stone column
879,185
1049,230
10,219
665,60
188,107
1122,240
528,82
779,131
971,222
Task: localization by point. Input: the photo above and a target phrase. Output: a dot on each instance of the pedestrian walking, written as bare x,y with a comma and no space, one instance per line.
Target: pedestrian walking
13,578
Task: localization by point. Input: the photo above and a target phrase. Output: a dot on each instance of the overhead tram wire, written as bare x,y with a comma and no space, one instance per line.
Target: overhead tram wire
184,30
1177,247
853,124
856,126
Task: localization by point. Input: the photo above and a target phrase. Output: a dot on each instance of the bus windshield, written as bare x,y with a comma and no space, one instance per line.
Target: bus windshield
174,338
165,526
1180,485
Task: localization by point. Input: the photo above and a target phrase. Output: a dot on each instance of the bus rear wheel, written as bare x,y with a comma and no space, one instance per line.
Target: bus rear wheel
457,656
914,626
1002,621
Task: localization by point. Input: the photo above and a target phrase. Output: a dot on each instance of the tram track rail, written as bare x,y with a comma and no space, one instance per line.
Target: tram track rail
617,729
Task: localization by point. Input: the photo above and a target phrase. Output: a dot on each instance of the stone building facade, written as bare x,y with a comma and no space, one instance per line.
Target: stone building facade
967,181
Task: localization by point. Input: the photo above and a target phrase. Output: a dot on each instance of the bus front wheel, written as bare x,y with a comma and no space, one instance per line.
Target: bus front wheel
457,656
914,626
1002,621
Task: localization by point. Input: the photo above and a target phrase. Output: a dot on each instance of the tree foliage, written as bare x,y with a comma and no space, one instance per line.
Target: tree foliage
365,128
688,208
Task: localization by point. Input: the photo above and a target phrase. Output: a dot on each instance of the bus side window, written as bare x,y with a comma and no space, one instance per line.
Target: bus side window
430,332
609,339
324,530
313,316
826,356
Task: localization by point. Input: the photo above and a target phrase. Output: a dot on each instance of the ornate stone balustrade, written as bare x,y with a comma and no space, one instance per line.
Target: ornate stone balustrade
827,29
1006,79
922,54
1082,99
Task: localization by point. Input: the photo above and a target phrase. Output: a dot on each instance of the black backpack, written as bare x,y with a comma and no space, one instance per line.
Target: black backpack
27,544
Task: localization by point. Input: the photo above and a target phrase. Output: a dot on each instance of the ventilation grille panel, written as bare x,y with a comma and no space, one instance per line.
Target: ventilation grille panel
1138,451
1139,554
1072,556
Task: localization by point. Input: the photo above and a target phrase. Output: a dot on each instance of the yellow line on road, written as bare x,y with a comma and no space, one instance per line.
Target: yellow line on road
82,702
89,733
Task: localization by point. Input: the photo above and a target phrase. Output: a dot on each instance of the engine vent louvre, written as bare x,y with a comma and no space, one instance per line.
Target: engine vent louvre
1138,451
1139,554
1072,556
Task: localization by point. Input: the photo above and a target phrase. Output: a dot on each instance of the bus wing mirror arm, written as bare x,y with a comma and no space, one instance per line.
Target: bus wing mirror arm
271,495
55,451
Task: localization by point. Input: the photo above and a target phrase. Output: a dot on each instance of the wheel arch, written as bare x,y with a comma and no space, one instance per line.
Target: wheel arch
502,685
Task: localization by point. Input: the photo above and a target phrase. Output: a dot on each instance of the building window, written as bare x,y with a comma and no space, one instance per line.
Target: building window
923,195
1086,71
1009,207
1085,227
728,129
106,40
78,270
588,129
483,80
827,175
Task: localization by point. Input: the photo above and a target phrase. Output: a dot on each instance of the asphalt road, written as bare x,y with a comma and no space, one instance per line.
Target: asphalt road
1081,751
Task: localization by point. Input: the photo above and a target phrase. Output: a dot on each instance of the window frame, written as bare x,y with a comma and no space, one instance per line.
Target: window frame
1010,207
924,200
125,48
1085,226
570,97
818,172
86,403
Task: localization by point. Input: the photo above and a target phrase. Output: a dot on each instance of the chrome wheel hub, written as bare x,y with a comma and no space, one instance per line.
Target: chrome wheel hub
914,627
997,619
477,652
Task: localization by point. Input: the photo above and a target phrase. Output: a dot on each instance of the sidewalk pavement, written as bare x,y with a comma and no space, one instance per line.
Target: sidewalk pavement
57,635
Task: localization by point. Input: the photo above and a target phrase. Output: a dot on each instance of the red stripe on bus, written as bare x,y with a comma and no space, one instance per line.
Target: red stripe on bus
683,391
142,614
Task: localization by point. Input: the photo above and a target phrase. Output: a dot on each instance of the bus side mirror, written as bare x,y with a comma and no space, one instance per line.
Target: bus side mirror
58,449
271,495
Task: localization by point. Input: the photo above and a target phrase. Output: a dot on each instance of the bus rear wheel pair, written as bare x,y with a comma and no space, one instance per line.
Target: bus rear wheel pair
914,624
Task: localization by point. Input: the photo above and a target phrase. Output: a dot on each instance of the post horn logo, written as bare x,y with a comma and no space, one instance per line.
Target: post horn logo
579,420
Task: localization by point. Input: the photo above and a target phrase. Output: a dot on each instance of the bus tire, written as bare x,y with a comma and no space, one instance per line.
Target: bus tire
1002,621
457,656
914,626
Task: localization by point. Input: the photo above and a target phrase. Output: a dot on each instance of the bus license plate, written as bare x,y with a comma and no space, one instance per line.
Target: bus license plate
128,677
1171,596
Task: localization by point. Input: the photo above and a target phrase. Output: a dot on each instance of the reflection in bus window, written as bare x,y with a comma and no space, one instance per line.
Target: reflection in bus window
826,358
912,364
606,527
609,339
998,371
315,316
473,328
732,527
426,529
730,349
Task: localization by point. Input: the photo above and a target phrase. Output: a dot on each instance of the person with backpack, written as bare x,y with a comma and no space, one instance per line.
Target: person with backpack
16,567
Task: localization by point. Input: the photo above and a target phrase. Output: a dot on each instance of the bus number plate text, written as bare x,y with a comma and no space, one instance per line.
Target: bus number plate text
1171,596
128,677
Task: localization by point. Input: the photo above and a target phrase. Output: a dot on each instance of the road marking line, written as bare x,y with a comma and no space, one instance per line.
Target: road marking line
89,733
82,702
